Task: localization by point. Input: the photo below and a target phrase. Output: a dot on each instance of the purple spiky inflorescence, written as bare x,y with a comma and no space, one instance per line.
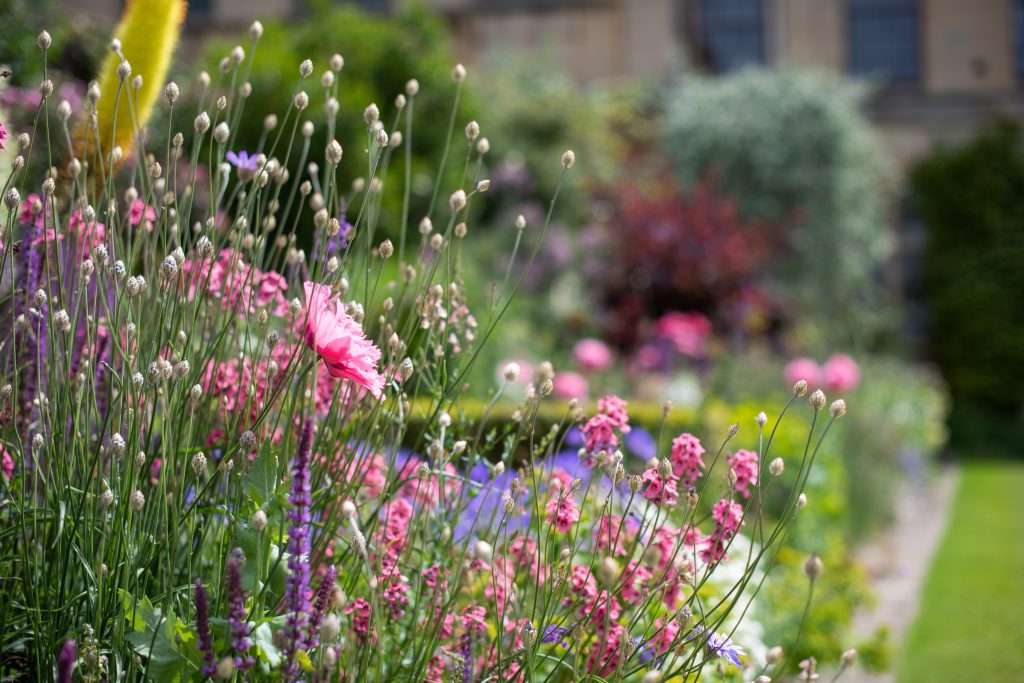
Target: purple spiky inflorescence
296,596
205,644
323,594
240,642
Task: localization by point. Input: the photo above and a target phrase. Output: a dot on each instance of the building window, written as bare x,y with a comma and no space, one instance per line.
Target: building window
883,39
732,33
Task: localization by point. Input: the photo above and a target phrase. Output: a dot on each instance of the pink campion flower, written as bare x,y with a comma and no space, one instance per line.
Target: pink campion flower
728,516
359,610
611,531
615,408
340,341
688,332
3,136
840,373
140,211
592,355
563,512
7,464
686,460
583,582
744,464
599,434
29,207
89,235
394,595
633,588
50,235
570,385
658,490
802,369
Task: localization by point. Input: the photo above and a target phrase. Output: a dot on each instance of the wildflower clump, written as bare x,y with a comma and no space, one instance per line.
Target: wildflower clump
208,426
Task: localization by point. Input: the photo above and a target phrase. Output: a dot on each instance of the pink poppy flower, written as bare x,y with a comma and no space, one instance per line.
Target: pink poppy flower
340,341
802,369
840,373
592,355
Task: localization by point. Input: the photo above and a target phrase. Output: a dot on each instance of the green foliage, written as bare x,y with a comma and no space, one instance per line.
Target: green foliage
794,149
971,201
968,627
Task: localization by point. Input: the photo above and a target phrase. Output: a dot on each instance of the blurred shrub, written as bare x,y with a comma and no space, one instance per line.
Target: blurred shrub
972,200
667,252
794,149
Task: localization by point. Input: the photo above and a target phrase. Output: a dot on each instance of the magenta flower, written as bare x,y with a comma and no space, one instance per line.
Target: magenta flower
66,658
340,341
840,373
570,385
140,211
592,355
802,369
744,464
3,136
7,465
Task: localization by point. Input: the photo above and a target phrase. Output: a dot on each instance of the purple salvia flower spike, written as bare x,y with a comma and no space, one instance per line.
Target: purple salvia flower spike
323,594
296,594
240,642
205,644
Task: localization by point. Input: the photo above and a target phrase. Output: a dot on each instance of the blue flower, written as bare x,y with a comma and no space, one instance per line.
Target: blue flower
640,442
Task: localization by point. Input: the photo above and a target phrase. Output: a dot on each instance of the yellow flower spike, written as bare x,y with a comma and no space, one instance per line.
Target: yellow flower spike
148,32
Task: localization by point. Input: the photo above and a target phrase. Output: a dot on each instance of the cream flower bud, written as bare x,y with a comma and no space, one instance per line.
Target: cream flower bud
459,73
43,40
334,152
511,372
202,122
813,567
256,30
800,387
259,520
337,62
412,87
776,467
301,100
371,114
837,409
458,200
817,400
568,159
472,130
306,68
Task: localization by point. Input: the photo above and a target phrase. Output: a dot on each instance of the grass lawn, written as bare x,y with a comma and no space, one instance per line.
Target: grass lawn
970,626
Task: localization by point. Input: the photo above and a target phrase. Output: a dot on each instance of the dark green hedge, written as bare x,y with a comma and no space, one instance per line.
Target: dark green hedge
972,200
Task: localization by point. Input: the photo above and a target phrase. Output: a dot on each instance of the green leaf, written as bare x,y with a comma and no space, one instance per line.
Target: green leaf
263,639
261,479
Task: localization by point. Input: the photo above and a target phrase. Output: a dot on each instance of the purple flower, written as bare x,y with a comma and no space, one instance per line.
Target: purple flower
296,594
240,642
323,594
555,634
641,443
203,627
718,645
242,161
66,661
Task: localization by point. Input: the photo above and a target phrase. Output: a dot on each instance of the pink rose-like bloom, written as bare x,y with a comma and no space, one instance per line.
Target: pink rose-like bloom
592,355
687,331
570,385
841,373
340,341
802,369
